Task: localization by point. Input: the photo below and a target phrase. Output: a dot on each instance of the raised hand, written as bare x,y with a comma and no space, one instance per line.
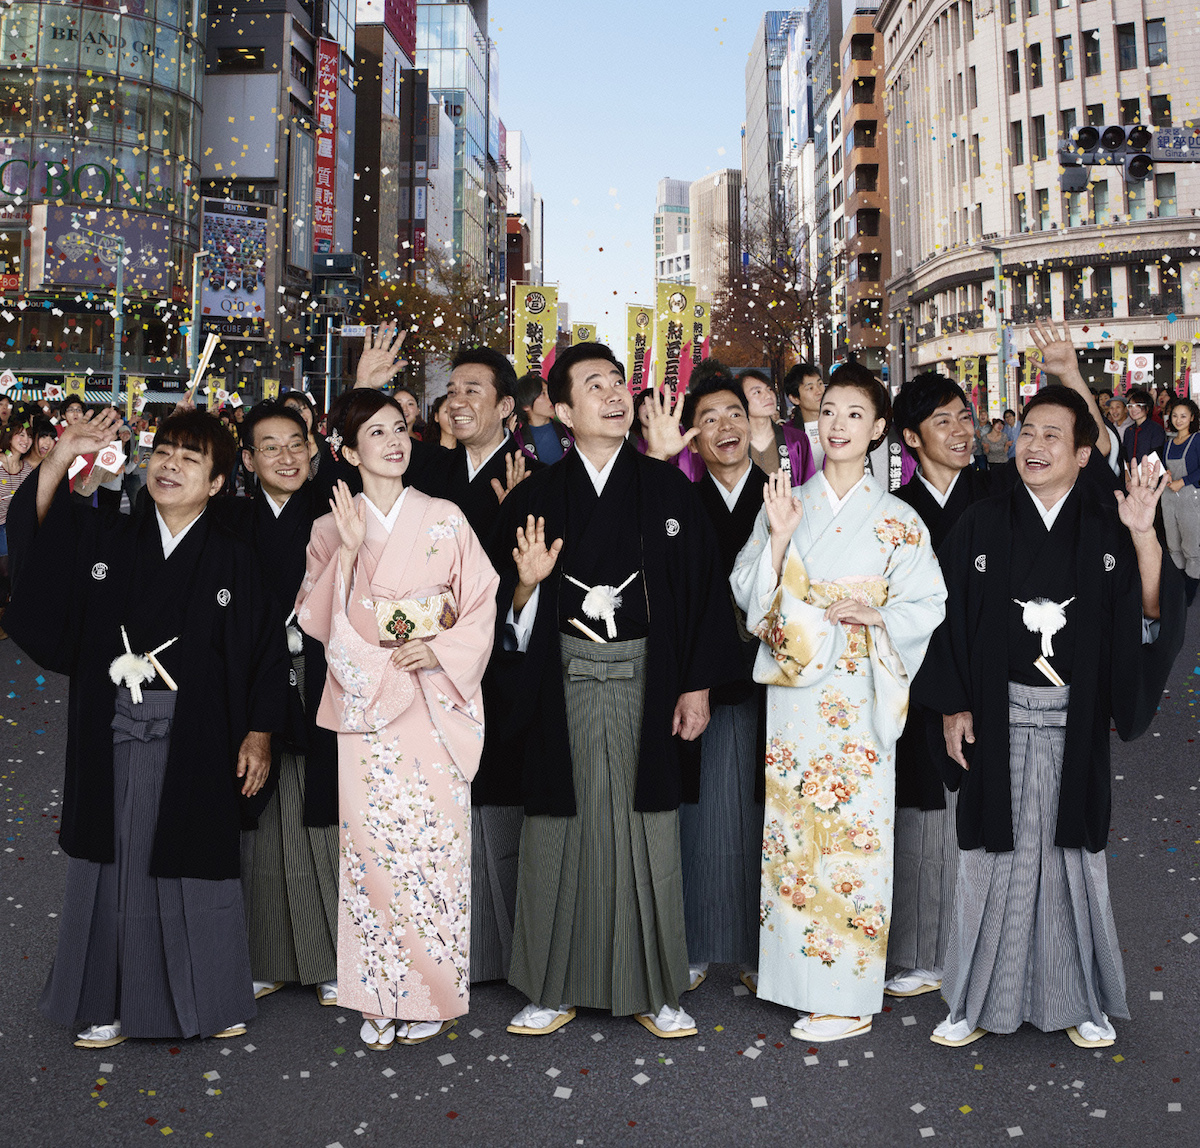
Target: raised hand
535,560
350,519
1058,351
784,509
92,433
514,472
1145,484
380,361
664,440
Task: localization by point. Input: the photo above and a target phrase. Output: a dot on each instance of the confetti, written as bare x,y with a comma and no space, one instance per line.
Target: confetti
758,1102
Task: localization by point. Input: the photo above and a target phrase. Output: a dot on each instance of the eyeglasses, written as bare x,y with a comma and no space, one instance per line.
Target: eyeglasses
274,450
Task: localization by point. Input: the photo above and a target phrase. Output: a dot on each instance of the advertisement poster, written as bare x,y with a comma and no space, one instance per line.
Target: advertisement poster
325,167
87,256
640,346
535,326
233,290
673,317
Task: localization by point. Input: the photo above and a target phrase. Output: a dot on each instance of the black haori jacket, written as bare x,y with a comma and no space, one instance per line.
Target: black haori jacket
692,642
1115,679
80,577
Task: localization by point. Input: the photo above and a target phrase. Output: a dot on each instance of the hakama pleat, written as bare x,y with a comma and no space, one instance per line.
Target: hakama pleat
165,956
721,842
1034,933
495,845
923,887
599,919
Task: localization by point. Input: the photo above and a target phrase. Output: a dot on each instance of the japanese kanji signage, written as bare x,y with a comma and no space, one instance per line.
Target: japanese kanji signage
325,167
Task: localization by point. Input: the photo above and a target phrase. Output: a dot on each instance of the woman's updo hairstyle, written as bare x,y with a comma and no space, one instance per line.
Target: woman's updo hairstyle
352,410
857,376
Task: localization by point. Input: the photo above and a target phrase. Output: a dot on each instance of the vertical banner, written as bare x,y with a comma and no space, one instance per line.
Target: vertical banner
701,332
535,326
583,333
968,373
1033,377
639,322
74,384
1183,365
135,388
1122,349
672,319
270,389
325,165
215,390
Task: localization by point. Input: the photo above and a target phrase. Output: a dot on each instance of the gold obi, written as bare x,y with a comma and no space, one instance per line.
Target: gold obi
870,591
408,618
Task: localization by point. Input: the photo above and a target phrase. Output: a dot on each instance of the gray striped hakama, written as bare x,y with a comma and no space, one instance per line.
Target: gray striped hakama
599,918
166,957
721,842
290,882
923,887
495,844
1034,935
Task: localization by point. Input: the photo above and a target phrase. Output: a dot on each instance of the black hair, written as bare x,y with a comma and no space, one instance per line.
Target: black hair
921,396
639,400
359,405
857,376
70,400
436,408
304,396
269,409
710,378
1085,432
793,380
504,378
1193,411
1010,411
197,430
528,388
1140,395
558,384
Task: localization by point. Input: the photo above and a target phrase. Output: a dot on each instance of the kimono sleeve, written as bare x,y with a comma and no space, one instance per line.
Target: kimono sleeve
799,646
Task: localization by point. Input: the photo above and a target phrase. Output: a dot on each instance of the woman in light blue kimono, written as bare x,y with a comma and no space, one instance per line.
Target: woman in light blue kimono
840,582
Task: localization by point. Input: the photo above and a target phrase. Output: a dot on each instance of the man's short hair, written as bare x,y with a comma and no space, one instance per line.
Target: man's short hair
199,431
1010,411
269,409
710,378
504,377
794,379
1139,395
1085,432
528,388
70,401
558,384
921,396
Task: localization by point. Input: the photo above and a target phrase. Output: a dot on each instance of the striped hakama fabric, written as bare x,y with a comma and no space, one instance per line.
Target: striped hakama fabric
1034,935
923,887
495,844
721,842
599,919
167,957
290,882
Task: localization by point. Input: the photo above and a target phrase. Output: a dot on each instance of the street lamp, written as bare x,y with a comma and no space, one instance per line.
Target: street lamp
108,243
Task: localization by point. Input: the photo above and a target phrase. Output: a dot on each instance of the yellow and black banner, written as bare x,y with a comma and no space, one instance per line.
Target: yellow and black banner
640,346
135,387
583,333
701,332
535,326
674,305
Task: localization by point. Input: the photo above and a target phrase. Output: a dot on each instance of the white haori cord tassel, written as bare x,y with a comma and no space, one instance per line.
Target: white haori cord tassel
602,602
131,670
1045,617
295,639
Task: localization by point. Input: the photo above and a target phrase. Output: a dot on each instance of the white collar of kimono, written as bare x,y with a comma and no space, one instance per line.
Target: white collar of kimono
276,507
164,533
472,471
835,503
731,496
598,477
1048,516
938,497
388,520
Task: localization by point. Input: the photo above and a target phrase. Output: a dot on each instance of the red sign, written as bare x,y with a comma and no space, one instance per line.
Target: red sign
10,282
325,166
419,242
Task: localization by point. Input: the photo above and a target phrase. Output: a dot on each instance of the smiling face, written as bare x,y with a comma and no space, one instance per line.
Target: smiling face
383,445
44,443
21,441
476,410
947,436
408,404
279,458
724,438
1047,460
601,409
180,479
760,398
1116,411
1181,419
847,424
302,409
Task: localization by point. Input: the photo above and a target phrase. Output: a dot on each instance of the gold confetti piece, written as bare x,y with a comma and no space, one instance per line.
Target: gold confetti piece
1118,1058
719,1028
964,1109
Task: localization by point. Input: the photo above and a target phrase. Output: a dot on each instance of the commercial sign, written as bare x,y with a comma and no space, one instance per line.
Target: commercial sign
325,166
639,323
87,182
233,290
300,207
87,256
535,326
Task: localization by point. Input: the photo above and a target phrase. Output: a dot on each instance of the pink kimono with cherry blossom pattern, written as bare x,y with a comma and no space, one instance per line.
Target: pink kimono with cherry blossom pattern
409,744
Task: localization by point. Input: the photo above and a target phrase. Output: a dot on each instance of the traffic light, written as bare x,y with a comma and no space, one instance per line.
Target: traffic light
1124,145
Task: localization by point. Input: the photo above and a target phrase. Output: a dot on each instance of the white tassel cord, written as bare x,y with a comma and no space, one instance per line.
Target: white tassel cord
602,602
131,670
1045,617
295,640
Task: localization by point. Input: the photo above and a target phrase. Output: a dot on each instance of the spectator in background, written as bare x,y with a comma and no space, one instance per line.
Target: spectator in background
996,444
804,386
774,445
1181,499
539,434
16,446
641,420
1144,435
412,412
440,417
1162,400
44,437
318,449
1117,414
1012,428
6,407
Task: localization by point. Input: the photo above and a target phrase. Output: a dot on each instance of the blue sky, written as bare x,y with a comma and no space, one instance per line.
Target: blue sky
612,97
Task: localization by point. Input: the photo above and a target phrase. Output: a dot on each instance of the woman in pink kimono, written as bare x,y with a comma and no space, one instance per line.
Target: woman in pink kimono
400,592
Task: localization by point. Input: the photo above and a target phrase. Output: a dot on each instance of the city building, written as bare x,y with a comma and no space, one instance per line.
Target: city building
799,153
524,214
715,210
980,99
825,31
673,232
762,146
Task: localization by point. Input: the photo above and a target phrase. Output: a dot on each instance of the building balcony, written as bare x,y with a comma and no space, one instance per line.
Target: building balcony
1089,308
1143,303
925,332
1029,312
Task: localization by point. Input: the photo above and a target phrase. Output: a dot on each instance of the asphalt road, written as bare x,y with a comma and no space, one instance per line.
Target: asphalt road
301,1077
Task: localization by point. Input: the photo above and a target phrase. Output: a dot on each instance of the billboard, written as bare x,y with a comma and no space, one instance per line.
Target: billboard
233,289
325,181
300,200
87,255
